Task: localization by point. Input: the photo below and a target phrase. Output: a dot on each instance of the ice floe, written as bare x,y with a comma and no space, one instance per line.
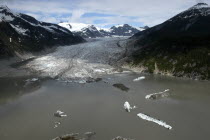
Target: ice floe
139,78
158,95
77,136
56,124
159,122
121,138
32,80
73,136
59,114
90,134
82,81
128,107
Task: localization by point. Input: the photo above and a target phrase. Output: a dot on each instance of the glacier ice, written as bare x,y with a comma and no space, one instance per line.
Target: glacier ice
158,95
59,114
159,122
81,61
139,78
128,107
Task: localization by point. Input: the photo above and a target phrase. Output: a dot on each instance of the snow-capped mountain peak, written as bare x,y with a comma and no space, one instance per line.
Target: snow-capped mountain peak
91,28
127,26
4,8
117,26
74,27
6,14
200,9
200,6
91,31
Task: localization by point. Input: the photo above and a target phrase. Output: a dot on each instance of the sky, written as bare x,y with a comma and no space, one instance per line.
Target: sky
102,13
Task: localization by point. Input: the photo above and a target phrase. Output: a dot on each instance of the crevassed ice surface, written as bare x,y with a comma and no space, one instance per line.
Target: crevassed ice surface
84,60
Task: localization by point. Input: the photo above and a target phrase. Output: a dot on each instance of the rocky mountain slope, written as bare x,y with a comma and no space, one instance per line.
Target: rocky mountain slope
179,47
23,33
90,31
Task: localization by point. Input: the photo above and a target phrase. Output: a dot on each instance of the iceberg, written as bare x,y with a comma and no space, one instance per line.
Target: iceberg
150,119
59,114
128,107
158,95
139,78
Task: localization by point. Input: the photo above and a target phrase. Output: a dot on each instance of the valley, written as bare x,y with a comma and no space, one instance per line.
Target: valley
76,81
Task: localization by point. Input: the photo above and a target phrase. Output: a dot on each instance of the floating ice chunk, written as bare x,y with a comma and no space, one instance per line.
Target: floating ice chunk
72,136
32,80
159,122
90,134
121,138
158,95
57,124
134,107
59,114
82,82
139,78
99,70
128,107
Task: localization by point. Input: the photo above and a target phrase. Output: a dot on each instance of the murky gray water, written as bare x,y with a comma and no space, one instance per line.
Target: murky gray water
26,108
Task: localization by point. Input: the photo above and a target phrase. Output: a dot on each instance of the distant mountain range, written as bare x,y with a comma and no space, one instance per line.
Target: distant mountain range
21,33
91,31
179,47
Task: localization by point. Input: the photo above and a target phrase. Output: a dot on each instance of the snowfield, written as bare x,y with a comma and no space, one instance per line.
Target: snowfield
74,27
86,60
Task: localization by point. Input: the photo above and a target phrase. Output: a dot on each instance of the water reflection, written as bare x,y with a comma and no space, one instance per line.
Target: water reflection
13,87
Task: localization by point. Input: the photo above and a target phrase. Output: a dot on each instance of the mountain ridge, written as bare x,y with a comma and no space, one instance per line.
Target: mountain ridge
91,31
22,33
179,47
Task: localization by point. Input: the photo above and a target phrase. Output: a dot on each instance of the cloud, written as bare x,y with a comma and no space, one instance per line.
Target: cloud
200,1
103,12
76,15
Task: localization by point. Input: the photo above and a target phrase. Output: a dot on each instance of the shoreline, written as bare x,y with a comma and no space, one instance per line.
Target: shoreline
141,70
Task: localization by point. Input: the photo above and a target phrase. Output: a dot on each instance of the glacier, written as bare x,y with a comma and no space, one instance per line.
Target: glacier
87,60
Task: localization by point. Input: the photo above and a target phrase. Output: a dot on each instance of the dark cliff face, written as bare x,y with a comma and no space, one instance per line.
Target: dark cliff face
22,33
181,45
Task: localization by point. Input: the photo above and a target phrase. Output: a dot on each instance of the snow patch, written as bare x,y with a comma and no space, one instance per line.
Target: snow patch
4,17
74,27
19,30
139,28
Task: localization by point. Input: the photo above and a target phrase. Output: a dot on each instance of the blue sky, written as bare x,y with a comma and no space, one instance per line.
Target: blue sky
103,13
